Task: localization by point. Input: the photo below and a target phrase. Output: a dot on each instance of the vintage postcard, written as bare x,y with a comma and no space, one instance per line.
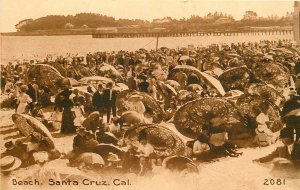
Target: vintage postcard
150,94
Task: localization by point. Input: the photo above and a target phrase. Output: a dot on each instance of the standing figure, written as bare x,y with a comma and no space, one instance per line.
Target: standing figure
109,100
23,100
63,100
97,100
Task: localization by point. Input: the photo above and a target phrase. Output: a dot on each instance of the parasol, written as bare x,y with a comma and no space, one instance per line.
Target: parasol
104,149
90,158
120,87
180,163
267,92
201,75
284,50
45,74
235,78
152,106
248,103
271,73
58,67
72,82
27,125
164,141
233,55
109,69
233,94
193,116
92,121
174,84
184,58
95,79
166,88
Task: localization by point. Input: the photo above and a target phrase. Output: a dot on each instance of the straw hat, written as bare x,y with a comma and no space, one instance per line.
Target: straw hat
10,163
41,156
113,157
135,97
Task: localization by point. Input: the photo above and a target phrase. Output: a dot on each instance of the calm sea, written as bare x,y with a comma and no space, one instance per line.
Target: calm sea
28,47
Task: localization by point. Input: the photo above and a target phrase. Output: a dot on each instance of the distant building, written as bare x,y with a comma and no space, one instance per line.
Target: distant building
84,26
107,30
161,21
69,26
223,20
22,23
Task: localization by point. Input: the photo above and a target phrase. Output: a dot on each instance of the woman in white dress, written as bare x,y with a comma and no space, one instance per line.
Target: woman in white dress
23,99
135,104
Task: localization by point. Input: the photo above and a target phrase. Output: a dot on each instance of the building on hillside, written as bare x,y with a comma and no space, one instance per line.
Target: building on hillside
223,20
69,26
84,26
107,30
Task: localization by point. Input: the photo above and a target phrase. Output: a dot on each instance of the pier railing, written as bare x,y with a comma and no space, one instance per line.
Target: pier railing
190,34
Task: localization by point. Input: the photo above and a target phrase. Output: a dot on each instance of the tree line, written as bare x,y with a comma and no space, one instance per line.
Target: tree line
195,22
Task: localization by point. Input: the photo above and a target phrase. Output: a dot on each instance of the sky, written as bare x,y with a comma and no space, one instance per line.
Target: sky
13,11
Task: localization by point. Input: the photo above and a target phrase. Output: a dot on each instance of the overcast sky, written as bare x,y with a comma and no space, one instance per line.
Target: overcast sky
12,11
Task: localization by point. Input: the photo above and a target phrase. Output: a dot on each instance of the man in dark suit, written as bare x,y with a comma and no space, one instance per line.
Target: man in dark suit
288,151
109,100
98,100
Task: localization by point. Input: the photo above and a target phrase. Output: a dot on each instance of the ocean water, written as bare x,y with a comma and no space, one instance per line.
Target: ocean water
28,47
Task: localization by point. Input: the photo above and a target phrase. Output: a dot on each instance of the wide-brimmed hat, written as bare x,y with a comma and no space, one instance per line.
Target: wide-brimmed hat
9,145
10,163
113,157
135,97
41,156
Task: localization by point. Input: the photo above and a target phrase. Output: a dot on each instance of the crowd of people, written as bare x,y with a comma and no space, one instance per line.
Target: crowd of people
96,117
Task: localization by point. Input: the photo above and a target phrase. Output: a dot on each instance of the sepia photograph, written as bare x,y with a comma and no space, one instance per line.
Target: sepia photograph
150,94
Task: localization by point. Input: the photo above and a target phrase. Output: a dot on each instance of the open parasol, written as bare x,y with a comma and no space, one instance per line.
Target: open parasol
267,92
58,67
104,149
193,116
206,78
45,74
72,82
235,78
271,73
180,163
109,69
95,79
164,140
27,125
92,121
152,106
166,88
247,104
174,84
184,58
90,158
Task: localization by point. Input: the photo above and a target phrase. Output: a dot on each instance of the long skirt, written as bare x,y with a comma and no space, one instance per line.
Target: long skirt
67,123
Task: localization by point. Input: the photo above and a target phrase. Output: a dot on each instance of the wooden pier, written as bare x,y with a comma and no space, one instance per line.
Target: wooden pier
191,34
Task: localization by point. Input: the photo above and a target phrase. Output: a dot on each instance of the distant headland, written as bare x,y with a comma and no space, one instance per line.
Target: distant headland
89,23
